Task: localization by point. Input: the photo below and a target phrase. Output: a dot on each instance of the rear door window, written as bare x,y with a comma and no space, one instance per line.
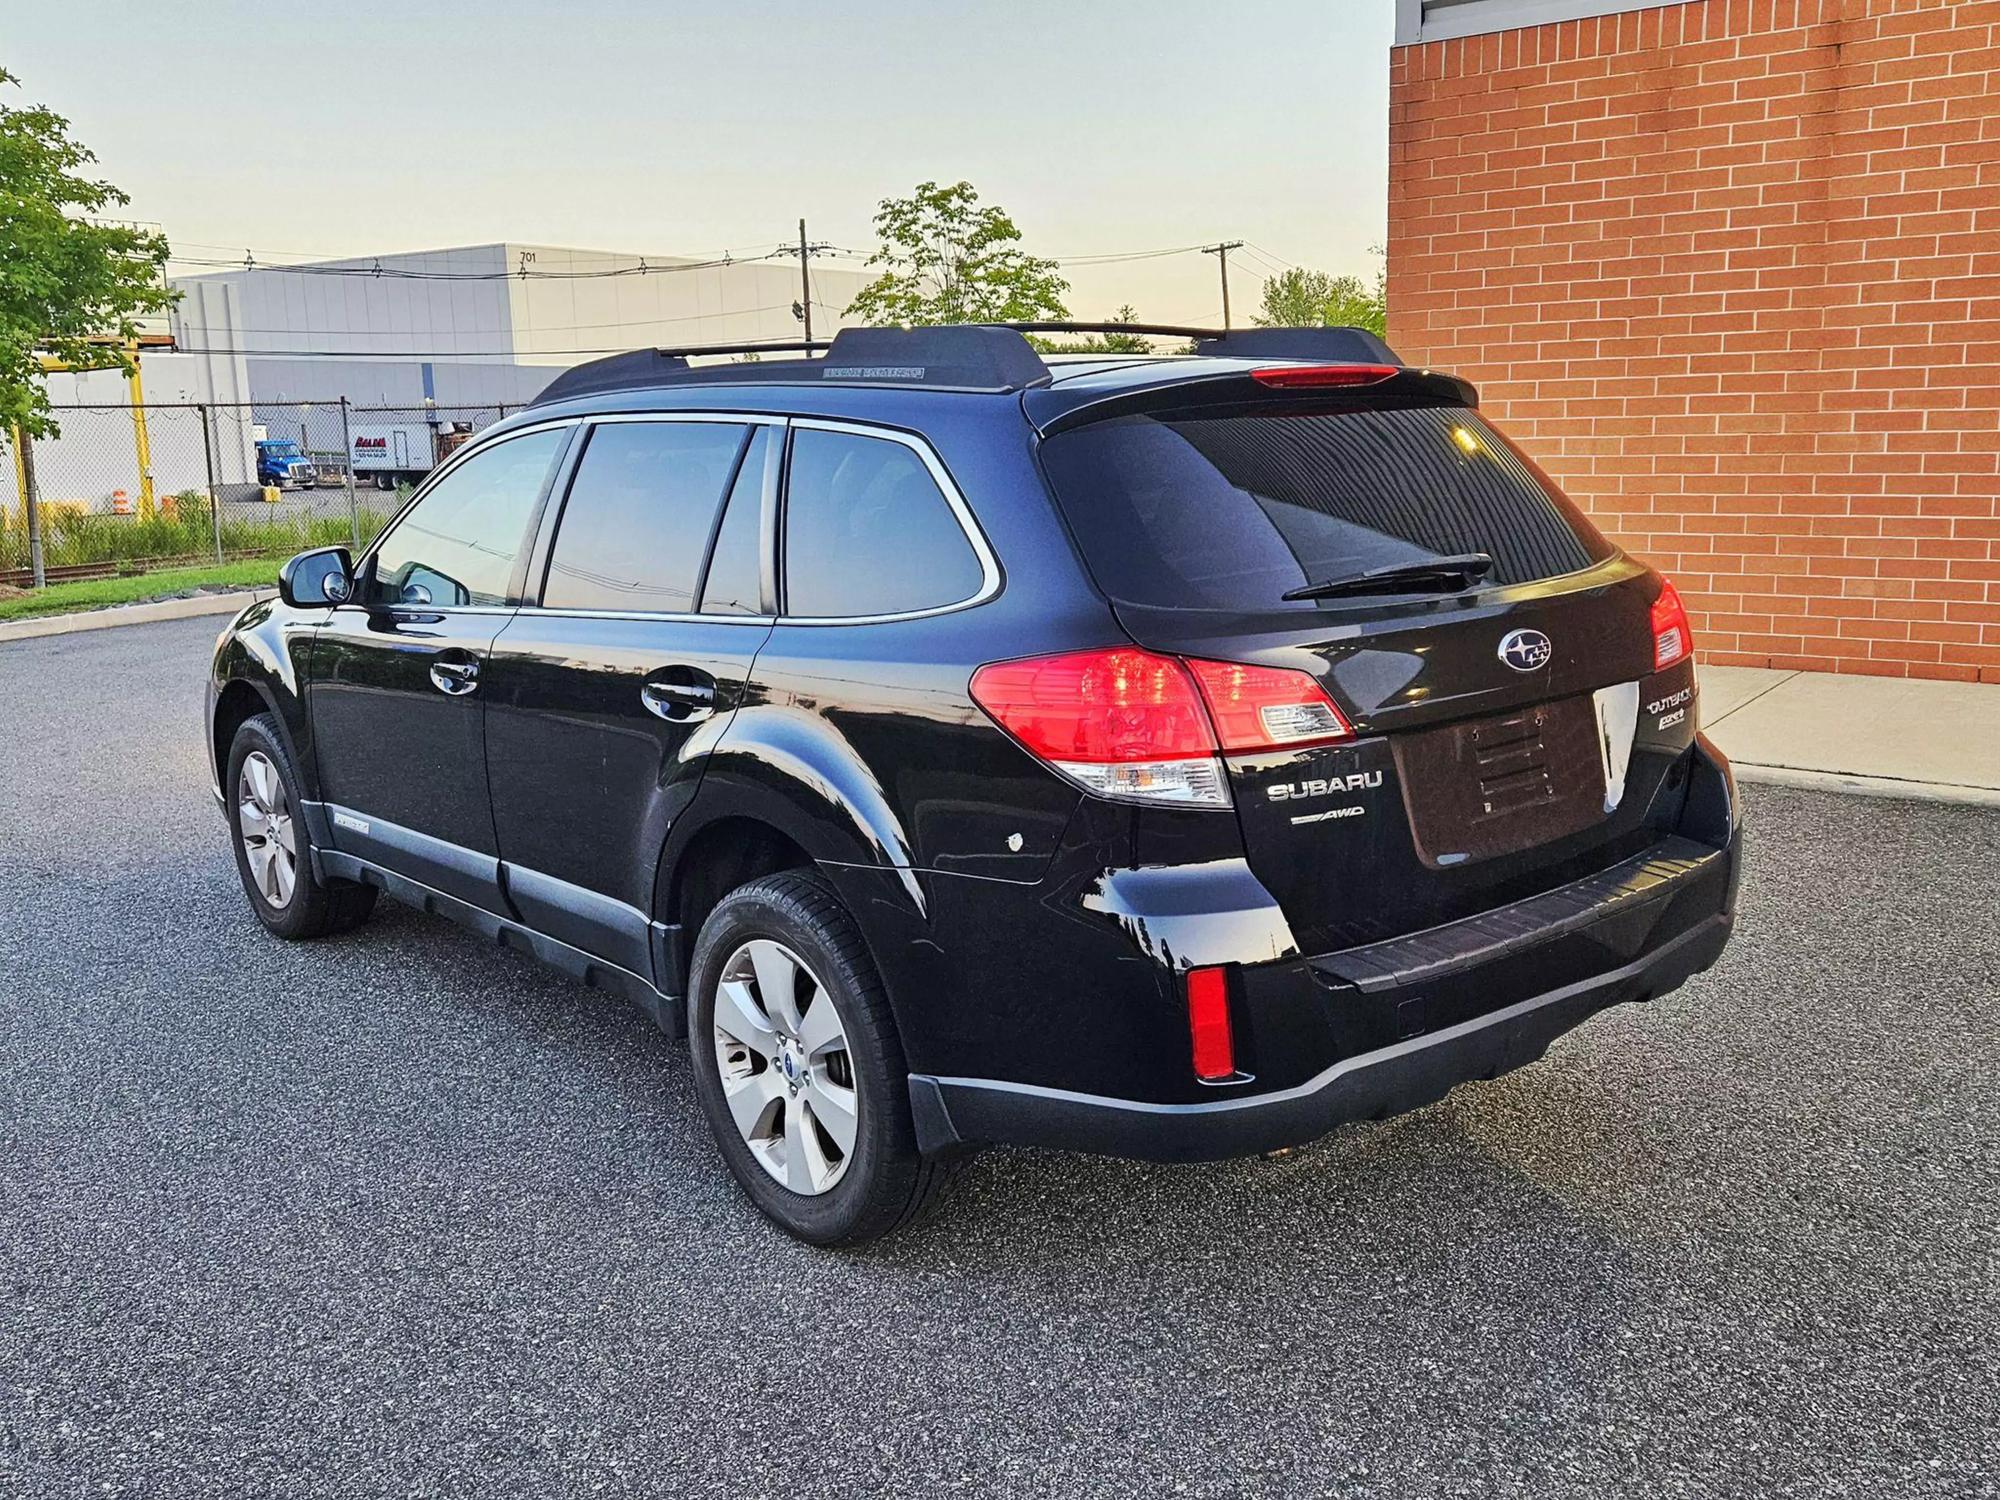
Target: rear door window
1230,512
868,531
640,512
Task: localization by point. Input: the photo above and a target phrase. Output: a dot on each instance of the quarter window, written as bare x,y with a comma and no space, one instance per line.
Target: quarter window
868,531
458,544
637,522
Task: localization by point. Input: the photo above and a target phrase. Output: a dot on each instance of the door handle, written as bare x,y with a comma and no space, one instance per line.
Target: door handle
679,702
456,677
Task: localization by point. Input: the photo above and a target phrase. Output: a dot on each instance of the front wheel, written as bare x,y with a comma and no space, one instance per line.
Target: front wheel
798,1066
273,856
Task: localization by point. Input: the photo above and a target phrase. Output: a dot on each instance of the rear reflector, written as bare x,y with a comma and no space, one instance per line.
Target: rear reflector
1301,377
1266,708
1672,639
1208,1024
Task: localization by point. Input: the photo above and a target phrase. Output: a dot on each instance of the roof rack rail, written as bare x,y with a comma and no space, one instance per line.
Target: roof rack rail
966,357
963,356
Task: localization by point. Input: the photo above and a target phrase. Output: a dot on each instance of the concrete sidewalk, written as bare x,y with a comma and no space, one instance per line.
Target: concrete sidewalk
128,614
1888,736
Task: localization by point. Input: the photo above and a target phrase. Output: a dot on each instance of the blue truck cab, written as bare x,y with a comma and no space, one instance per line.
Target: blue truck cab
280,461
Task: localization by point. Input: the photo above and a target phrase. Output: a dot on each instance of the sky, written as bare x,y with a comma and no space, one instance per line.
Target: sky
1105,127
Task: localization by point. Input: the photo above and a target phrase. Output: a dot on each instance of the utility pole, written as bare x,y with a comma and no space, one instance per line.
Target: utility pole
803,308
1221,254
805,282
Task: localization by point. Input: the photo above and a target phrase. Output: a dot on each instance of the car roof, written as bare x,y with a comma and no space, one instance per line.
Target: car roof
920,376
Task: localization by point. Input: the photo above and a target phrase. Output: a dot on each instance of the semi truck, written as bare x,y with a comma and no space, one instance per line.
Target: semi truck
281,462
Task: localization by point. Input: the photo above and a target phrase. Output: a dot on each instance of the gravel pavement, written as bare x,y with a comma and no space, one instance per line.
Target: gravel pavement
398,1214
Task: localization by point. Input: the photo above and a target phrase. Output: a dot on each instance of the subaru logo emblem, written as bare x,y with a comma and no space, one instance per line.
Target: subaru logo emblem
1525,650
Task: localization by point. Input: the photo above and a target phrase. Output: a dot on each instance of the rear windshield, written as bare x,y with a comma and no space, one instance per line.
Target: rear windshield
1229,512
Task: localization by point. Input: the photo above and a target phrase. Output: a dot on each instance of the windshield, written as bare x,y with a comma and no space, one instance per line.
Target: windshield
1231,512
285,449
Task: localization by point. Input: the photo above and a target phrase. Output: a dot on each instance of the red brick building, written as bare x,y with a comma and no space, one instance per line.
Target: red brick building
1731,270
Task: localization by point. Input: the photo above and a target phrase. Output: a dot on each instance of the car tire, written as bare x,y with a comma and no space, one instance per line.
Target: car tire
762,1115
273,851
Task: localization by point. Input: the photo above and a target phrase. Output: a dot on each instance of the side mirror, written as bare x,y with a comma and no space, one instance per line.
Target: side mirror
322,576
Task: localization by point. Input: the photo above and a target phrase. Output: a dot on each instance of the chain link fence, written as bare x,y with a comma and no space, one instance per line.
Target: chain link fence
129,488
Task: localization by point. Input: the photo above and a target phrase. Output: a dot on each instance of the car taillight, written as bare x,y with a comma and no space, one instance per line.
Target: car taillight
1304,377
1122,722
1672,639
1142,727
1208,1024
1267,708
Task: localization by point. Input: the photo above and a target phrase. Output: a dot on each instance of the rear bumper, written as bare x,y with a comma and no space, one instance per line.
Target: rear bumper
1674,928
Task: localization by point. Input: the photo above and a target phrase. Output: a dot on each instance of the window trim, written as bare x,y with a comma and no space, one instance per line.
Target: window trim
990,578
558,470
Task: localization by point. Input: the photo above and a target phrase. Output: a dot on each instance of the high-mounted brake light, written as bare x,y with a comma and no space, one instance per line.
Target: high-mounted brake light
1208,1024
1672,639
1299,377
1142,727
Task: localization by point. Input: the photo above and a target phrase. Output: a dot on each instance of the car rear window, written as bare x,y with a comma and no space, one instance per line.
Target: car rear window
1229,512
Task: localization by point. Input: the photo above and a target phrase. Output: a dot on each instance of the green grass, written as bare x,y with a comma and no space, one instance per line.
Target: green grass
95,593
182,528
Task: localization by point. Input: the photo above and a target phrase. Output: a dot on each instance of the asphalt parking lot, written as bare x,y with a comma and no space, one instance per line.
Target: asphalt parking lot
399,1214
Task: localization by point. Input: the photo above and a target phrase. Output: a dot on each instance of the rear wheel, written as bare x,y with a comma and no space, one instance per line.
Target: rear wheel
273,855
799,1068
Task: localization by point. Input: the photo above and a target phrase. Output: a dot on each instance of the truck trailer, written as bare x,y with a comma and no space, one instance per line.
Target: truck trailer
387,454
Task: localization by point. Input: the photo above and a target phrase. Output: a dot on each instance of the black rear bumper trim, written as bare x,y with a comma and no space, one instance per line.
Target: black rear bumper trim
954,1112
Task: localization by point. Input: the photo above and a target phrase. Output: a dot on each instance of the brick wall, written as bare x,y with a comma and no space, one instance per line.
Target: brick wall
1731,271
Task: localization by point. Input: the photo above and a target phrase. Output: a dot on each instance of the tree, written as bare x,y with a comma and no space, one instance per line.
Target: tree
948,260
1101,343
66,282
1300,298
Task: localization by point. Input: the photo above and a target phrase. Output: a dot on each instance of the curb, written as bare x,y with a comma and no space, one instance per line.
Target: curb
128,614
1858,785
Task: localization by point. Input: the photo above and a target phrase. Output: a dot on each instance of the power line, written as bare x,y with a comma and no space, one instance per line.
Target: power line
379,272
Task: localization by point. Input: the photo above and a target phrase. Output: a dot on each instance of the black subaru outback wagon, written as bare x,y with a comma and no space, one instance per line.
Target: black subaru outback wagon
1165,756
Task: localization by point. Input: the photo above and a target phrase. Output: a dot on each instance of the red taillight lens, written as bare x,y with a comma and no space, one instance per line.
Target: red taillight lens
1672,639
1121,722
1132,724
1208,1024
1302,377
1266,708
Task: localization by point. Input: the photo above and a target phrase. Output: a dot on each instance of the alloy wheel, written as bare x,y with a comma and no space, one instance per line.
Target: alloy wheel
787,1076
264,822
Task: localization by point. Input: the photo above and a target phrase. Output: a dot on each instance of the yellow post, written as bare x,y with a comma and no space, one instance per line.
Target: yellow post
141,443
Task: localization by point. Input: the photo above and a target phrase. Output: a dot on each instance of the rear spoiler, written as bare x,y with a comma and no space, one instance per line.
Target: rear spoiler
964,357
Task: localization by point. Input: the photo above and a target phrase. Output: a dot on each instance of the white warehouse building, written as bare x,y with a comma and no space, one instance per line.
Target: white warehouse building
478,325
